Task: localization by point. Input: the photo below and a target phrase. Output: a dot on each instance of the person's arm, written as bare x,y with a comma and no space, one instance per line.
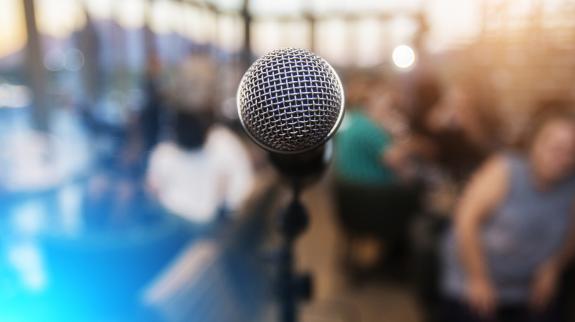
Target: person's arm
397,157
483,193
547,276
401,155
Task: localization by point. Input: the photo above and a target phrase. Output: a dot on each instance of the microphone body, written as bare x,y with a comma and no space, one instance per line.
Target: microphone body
308,165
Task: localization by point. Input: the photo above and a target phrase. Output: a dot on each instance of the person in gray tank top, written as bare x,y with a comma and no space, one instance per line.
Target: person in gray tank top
514,231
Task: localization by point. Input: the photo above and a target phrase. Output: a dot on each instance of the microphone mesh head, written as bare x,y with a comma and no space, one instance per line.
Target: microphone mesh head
290,101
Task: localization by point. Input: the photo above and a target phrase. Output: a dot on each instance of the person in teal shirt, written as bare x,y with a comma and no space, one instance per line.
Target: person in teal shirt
375,204
359,151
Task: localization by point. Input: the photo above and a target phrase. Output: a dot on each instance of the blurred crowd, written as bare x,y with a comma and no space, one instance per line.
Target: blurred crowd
428,184
128,188
431,187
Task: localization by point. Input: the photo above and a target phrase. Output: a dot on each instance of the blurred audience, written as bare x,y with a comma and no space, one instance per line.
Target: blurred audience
425,181
513,230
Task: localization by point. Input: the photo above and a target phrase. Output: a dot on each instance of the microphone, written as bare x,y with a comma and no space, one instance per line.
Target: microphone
291,102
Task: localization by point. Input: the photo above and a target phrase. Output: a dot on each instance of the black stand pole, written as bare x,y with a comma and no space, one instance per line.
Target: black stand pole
292,287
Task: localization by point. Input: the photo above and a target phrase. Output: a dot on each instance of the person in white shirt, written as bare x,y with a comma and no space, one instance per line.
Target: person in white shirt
204,170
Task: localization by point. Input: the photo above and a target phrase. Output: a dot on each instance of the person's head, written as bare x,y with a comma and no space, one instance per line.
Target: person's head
423,95
153,67
383,103
551,141
469,105
194,85
190,129
357,85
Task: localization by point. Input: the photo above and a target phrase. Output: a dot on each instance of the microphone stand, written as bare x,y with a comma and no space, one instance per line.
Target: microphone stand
292,286
301,170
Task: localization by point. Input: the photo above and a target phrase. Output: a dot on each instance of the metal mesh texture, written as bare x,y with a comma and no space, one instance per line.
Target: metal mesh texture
290,101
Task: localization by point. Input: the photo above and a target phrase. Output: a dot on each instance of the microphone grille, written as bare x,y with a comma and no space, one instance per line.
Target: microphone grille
290,101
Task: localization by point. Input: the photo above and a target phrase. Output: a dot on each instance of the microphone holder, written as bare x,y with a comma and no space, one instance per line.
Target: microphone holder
292,286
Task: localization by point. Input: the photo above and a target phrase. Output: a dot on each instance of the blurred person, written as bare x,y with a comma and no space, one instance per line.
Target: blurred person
514,231
194,85
423,94
374,202
114,193
365,150
203,173
463,127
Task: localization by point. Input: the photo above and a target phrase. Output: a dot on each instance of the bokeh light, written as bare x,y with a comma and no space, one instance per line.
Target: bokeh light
403,57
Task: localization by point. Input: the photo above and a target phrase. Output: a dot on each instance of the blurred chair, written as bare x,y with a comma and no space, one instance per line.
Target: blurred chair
381,212
567,292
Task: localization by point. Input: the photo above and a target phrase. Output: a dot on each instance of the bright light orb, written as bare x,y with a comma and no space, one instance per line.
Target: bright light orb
403,57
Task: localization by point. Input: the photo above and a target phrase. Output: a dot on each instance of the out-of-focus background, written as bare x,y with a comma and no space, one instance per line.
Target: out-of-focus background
129,192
